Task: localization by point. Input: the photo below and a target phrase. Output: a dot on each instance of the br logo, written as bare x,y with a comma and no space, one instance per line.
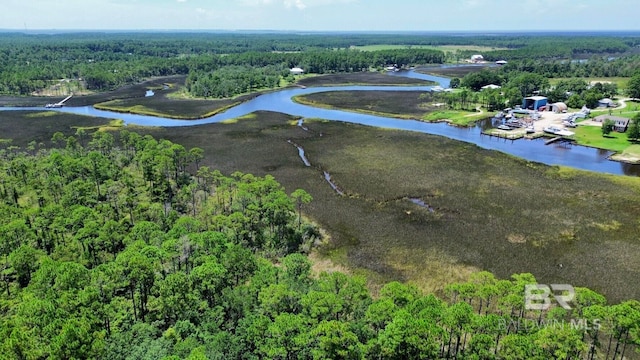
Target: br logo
538,296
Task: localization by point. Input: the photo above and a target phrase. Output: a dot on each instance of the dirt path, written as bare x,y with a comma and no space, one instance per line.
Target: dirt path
479,112
623,103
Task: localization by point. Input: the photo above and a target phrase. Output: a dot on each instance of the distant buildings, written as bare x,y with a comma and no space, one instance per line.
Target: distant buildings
606,102
558,107
620,124
477,58
534,102
296,71
490,86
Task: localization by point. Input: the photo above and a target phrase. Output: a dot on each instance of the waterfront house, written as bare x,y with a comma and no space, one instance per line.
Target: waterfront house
620,123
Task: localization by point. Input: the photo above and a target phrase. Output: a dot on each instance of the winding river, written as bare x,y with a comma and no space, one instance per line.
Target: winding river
280,101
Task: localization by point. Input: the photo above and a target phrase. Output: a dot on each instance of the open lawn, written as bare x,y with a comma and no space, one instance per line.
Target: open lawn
621,82
630,109
592,136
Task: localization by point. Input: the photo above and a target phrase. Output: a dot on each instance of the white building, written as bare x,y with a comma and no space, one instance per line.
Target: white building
477,58
296,71
490,86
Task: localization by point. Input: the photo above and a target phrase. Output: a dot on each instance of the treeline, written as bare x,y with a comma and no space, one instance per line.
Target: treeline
231,75
126,247
562,48
595,66
233,80
108,60
525,78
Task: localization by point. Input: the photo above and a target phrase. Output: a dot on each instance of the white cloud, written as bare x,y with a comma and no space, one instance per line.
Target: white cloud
294,3
181,1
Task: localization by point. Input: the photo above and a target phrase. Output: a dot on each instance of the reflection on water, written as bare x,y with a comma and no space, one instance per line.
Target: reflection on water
421,203
280,101
327,177
300,153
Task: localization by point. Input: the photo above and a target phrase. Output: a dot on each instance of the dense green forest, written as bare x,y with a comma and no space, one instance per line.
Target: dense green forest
121,246
523,78
101,61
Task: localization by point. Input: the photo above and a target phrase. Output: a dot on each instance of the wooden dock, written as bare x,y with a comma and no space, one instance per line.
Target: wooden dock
551,141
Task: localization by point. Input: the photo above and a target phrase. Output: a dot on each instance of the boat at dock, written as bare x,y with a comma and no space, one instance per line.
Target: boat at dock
558,131
58,104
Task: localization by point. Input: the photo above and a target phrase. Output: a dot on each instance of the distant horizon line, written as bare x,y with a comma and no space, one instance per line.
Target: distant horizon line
294,31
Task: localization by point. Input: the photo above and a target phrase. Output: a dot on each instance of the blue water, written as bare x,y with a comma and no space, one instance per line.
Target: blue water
280,101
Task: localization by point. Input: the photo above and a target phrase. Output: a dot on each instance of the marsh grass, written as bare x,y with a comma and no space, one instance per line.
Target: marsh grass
492,211
361,78
23,127
419,105
162,106
453,71
42,114
405,104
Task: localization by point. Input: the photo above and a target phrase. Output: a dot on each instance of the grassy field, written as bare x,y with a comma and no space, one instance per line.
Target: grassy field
592,136
630,110
621,82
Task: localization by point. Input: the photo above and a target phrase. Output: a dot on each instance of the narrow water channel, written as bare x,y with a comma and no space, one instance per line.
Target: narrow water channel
580,157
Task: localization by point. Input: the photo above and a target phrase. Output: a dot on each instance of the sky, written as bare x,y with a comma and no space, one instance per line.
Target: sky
322,15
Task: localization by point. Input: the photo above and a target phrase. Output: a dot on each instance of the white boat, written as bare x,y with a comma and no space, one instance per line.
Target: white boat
565,133
558,131
58,104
